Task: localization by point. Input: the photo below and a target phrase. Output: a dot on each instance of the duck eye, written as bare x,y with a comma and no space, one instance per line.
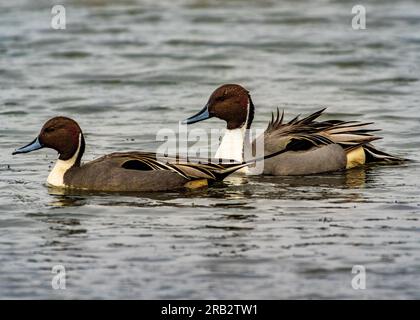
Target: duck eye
221,98
50,129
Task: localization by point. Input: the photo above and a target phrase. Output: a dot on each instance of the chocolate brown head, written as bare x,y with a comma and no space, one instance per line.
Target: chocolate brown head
230,102
61,134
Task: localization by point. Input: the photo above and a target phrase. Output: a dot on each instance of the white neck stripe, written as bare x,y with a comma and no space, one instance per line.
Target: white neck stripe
56,176
232,145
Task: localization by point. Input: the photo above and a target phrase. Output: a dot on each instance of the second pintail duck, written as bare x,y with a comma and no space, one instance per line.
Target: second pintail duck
120,172
308,146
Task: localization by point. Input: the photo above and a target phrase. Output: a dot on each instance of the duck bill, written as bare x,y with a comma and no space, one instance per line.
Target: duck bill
202,115
34,145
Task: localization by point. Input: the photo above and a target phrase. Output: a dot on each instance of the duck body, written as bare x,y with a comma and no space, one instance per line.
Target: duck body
120,172
317,160
109,174
309,146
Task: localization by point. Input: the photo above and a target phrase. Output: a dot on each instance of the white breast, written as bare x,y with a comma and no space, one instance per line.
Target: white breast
56,176
232,145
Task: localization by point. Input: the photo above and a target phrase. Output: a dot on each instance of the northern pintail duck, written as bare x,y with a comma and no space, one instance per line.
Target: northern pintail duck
308,146
122,172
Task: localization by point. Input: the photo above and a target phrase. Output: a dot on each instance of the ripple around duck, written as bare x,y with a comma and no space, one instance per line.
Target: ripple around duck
70,54
14,113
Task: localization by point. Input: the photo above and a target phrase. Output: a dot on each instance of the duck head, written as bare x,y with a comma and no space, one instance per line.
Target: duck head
231,103
61,134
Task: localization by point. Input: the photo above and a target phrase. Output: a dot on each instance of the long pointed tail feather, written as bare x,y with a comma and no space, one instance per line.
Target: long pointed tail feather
375,155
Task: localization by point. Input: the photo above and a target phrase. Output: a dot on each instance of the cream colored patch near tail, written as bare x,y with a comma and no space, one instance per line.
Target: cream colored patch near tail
195,184
356,158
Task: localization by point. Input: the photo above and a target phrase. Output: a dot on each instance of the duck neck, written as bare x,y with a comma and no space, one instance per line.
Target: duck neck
235,140
56,176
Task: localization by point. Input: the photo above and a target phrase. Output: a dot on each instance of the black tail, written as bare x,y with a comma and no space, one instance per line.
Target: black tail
375,155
